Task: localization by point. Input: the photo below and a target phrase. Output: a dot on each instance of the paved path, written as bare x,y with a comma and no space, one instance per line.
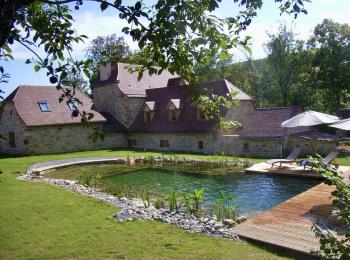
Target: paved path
289,224
39,168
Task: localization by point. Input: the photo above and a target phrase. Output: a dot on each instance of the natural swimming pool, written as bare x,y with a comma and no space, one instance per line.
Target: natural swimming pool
253,193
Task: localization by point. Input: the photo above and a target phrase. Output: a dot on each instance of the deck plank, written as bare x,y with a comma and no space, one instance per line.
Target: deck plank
289,224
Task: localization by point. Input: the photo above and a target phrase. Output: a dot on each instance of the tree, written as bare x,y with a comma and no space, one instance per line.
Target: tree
175,34
331,75
282,48
109,48
78,81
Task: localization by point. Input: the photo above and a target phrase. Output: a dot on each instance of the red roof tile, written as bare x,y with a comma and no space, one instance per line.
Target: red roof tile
266,123
26,99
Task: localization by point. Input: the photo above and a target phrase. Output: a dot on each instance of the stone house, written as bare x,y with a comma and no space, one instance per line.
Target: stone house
34,122
155,112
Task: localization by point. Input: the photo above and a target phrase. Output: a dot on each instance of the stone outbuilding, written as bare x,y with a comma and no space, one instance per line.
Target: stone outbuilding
33,121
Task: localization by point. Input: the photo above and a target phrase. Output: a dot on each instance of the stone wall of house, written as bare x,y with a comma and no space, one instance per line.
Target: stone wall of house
11,122
110,99
310,147
50,139
235,145
68,138
188,142
212,144
228,144
240,113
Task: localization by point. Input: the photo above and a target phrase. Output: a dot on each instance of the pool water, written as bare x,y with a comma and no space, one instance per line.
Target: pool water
253,193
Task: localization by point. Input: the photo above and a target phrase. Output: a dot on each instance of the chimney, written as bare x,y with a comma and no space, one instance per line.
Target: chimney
175,82
105,71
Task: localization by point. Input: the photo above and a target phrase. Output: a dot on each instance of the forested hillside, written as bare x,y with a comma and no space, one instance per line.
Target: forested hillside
314,74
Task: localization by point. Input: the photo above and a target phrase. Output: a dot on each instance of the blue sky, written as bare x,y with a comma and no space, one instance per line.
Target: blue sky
92,22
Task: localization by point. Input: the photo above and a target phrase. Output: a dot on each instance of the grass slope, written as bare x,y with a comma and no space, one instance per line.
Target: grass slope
43,221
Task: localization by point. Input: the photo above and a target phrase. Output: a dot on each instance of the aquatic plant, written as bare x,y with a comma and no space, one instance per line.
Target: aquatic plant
85,179
172,200
186,200
145,196
129,191
120,191
115,190
96,179
159,203
245,163
197,197
224,208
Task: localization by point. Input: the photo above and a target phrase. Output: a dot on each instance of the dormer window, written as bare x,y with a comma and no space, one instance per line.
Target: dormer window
72,105
174,109
172,115
44,107
148,111
147,116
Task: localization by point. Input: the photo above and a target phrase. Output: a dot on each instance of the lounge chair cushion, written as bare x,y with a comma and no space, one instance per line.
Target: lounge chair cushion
273,161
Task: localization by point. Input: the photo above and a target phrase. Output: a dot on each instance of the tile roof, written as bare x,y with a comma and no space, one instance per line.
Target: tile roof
129,84
27,97
318,136
112,125
187,120
266,123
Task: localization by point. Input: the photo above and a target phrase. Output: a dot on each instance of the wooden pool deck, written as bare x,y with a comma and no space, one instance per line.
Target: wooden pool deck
290,170
288,225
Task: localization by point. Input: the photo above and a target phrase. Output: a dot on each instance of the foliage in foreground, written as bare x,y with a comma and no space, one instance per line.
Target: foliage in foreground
334,247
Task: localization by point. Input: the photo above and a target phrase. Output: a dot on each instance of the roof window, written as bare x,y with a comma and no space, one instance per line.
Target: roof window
72,105
44,107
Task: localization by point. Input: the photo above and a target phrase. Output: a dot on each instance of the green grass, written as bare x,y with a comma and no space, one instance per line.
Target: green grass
43,221
343,159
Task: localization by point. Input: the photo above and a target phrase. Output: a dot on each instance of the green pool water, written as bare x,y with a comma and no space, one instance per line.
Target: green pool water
253,193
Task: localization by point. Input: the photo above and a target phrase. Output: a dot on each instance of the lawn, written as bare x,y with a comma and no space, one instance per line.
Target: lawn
43,221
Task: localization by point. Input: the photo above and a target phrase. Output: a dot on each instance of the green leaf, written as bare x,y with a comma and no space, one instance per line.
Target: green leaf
103,6
36,68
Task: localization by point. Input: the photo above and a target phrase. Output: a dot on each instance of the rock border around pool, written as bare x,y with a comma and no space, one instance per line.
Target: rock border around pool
134,209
